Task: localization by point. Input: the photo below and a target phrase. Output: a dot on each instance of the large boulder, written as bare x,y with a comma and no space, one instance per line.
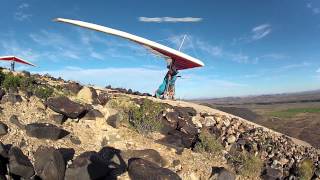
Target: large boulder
49,163
187,140
2,93
93,114
88,95
114,120
114,160
147,154
3,151
12,98
3,129
65,106
221,173
143,169
187,126
86,166
19,164
103,98
73,87
3,161
185,112
105,123
45,131
169,122
272,173
58,118
14,120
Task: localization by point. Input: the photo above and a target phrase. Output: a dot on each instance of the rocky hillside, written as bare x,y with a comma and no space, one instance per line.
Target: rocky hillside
55,129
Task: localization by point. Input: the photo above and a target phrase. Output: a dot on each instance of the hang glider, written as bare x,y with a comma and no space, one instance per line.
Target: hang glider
14,59
180,60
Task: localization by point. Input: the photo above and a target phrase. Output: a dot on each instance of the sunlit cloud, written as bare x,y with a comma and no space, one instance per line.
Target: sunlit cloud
21,14
314,10
169,19
261,31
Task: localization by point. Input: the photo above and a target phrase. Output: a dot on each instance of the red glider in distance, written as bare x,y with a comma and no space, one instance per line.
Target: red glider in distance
14,59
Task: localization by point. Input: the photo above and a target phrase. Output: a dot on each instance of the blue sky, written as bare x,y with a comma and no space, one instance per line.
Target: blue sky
249,47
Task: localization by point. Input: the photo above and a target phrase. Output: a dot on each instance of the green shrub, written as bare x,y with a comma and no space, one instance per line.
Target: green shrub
247,164
145,119
28,84
208,143
44,92
306,169
11,82
2,77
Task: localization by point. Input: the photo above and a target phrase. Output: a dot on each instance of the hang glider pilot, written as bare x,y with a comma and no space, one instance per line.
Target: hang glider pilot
167,88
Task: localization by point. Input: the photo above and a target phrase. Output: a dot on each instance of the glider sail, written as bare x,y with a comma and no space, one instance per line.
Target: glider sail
15,59
181,60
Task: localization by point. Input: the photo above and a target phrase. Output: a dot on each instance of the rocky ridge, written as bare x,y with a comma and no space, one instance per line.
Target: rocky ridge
56,129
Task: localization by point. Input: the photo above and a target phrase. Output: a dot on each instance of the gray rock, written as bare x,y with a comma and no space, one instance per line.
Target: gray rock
93,114
272,173
12,98
187,126
75,140
221,173
185,112
65,106
178,139
3,151
231,139
142,169
209,121
173,118
58,118
19,164
86,166
14,120
317,172
49,164
115,161
94,96
3,129
73,87
2,93
45,131
103,98
147,154
114,120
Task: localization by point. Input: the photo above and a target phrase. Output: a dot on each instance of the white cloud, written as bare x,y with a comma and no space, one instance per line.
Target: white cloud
309,5
23,6
20,14
195,44
198,45
261,31
215,51
295,66
11,47
96,55
169,19
239,57
274,56
314,10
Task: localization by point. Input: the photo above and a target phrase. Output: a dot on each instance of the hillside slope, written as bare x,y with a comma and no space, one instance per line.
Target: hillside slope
56,129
